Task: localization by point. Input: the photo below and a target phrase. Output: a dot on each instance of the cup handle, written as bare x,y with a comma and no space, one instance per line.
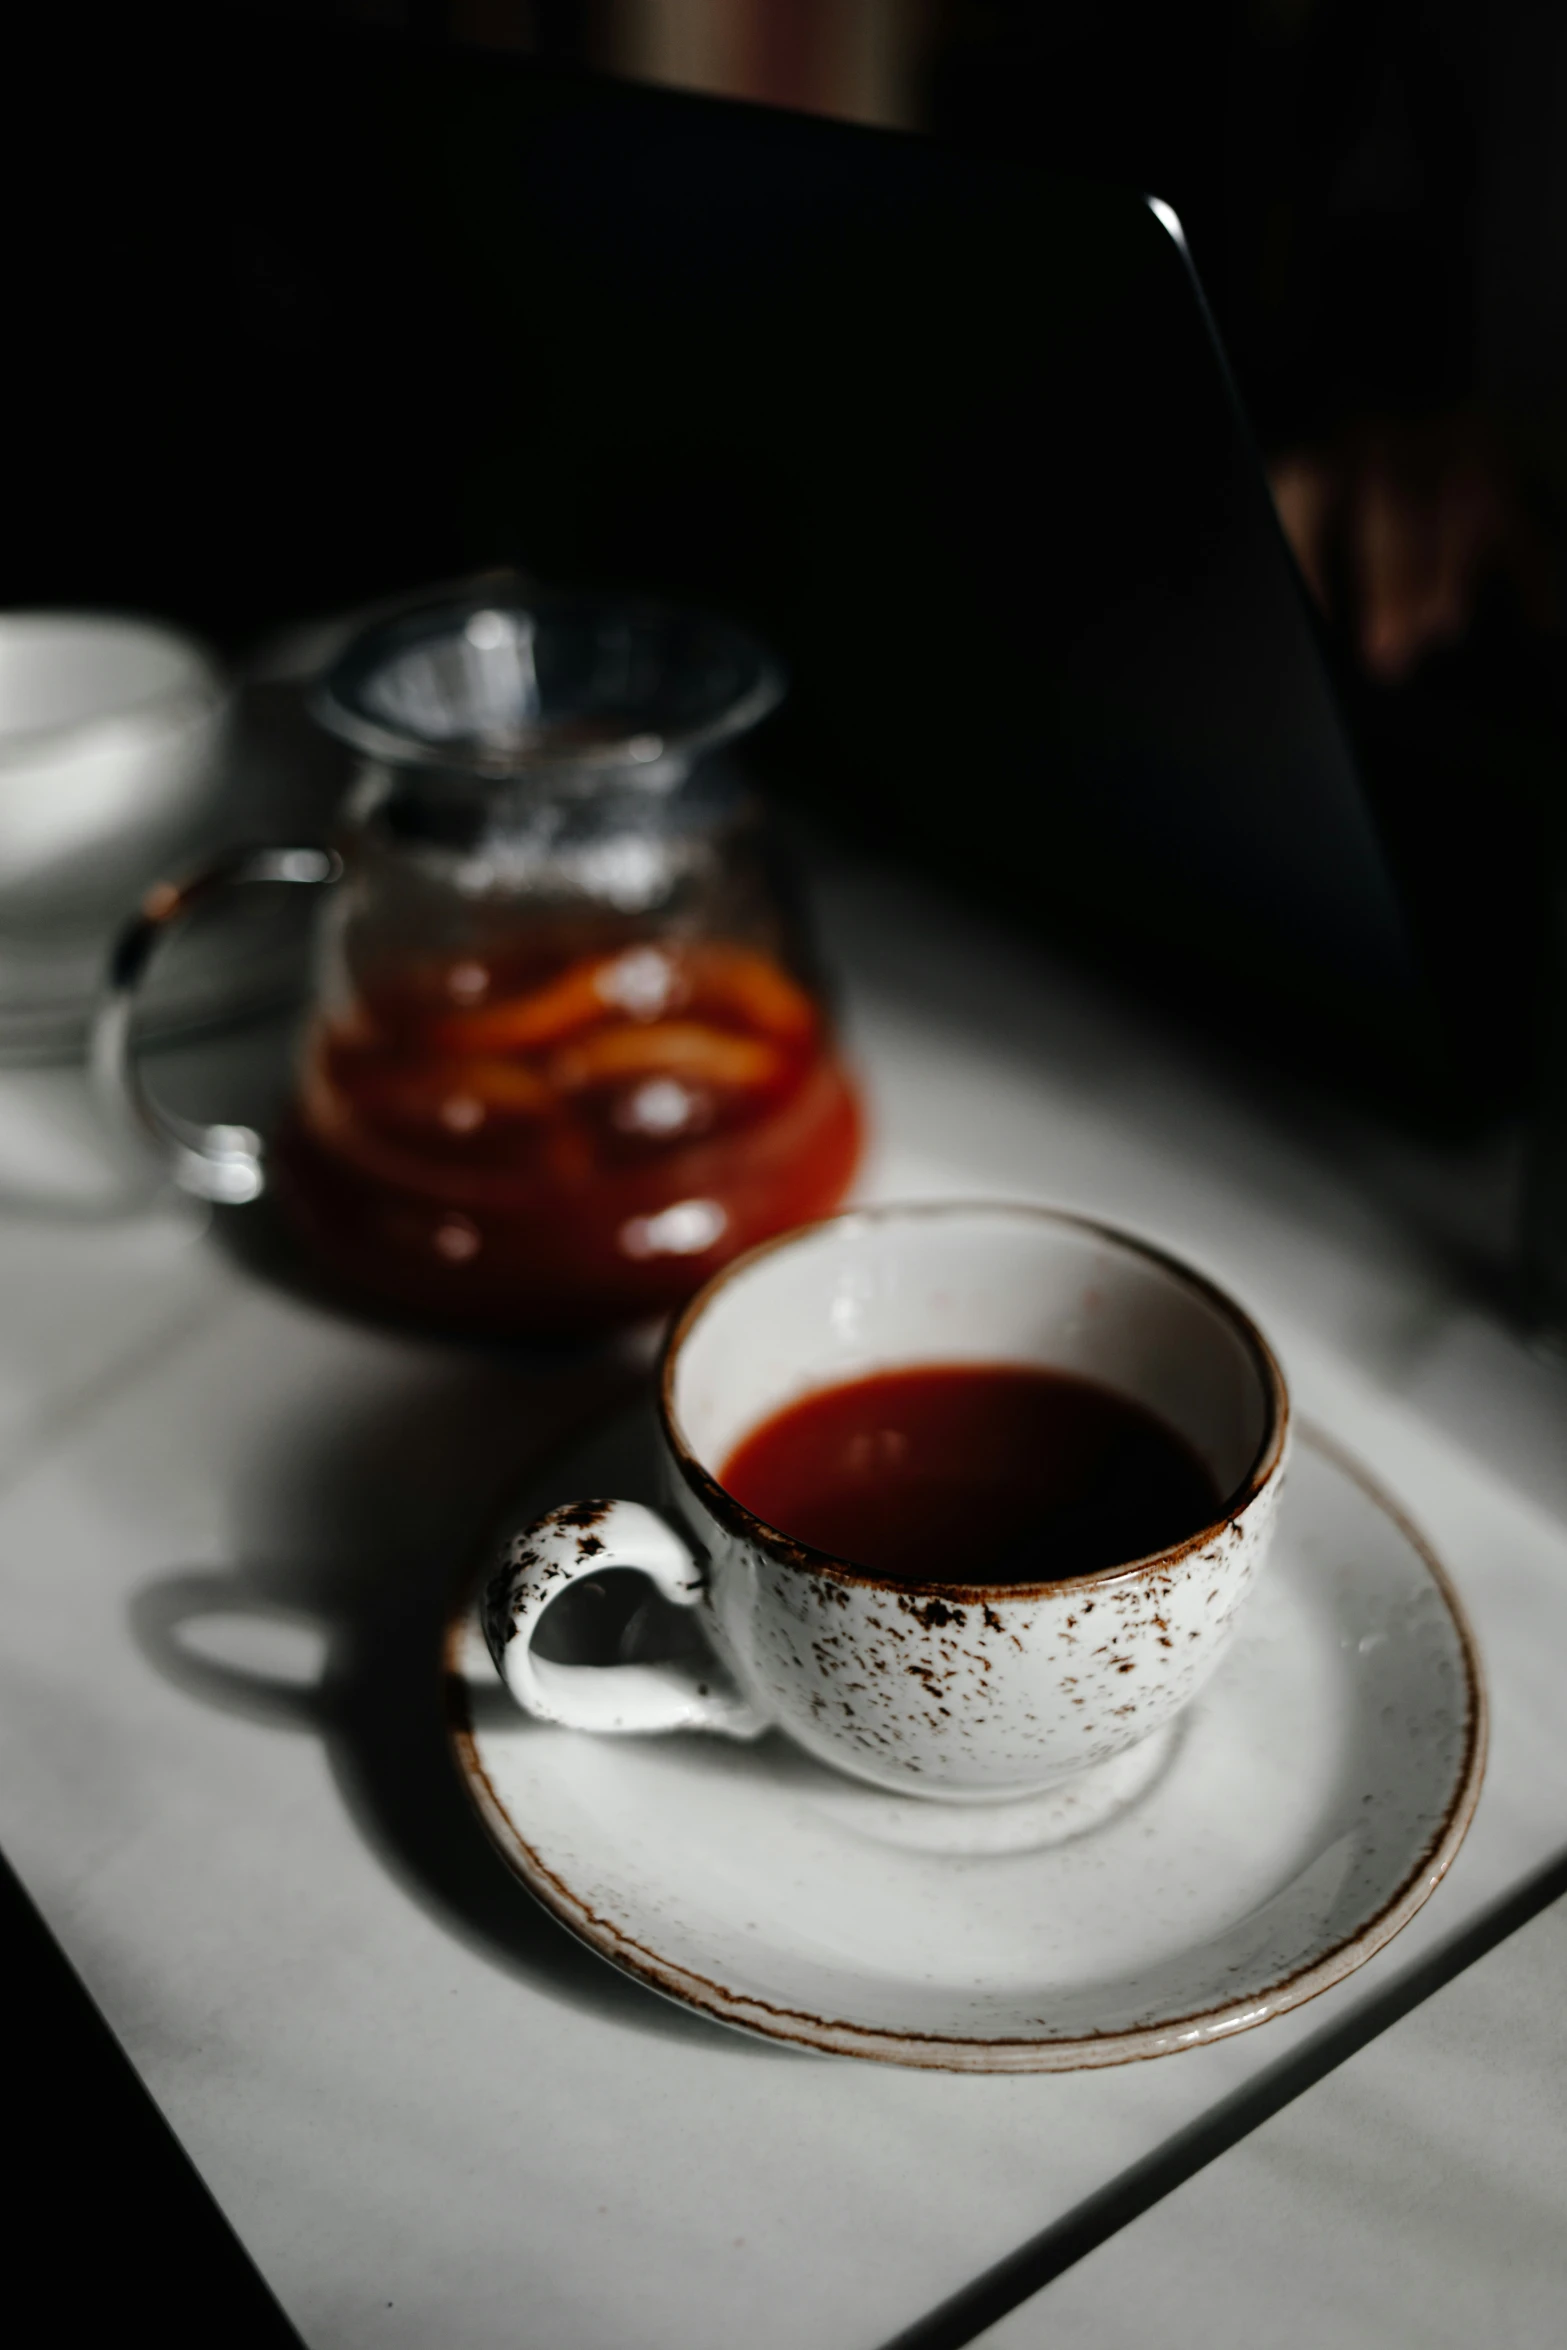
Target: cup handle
588,1538
218,1162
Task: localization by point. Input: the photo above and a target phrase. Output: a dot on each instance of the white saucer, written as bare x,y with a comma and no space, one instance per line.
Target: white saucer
1288,1826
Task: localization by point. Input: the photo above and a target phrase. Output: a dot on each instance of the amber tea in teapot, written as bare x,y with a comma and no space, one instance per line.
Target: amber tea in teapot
568,1054
567,1141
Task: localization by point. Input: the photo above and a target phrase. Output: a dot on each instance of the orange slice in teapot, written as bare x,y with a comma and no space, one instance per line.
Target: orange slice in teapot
668,1048
751,989
644,984
448,1097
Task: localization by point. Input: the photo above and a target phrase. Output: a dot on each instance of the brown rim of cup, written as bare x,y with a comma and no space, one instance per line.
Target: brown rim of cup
736,1519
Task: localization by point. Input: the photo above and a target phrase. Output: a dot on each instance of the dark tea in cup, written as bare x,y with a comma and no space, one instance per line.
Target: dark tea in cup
973,1473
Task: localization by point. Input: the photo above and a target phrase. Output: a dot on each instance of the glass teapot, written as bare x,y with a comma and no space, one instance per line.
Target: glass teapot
566,1053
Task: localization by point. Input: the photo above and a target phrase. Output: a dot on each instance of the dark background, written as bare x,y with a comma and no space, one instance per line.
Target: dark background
318,308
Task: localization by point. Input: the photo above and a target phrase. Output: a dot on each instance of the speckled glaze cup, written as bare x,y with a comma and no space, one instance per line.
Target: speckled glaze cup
961,1691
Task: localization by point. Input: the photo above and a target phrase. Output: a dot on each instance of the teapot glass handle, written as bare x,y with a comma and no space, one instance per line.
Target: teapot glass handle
215,1162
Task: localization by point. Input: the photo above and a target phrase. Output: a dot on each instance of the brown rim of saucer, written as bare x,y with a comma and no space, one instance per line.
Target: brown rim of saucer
738,1520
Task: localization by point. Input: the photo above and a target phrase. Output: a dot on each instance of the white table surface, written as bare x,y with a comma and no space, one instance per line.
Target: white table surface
428,2113
1417,2194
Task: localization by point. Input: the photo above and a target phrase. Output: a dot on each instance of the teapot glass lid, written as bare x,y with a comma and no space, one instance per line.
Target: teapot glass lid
503,679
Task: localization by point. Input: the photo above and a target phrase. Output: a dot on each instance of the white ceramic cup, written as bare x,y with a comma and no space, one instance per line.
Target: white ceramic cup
109,728
960,1690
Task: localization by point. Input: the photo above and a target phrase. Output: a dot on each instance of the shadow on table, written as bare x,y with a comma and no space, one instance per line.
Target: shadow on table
337,1631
